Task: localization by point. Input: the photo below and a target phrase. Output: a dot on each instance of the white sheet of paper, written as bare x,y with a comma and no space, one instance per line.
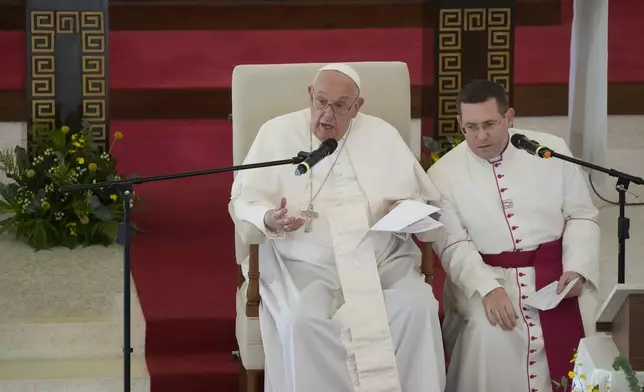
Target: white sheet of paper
421,226
410,216
547,298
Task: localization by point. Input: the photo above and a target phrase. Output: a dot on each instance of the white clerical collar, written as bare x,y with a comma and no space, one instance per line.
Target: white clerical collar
504,153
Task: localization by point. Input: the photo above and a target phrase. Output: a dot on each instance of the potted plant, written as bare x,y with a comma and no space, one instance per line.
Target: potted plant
32,208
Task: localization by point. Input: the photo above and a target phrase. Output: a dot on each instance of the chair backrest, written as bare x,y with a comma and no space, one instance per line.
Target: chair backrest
261,92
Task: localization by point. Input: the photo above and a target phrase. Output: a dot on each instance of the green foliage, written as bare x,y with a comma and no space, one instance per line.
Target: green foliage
31,206
621,363
437,148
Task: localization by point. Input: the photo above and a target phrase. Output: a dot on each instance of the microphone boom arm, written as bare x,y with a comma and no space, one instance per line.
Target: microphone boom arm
123,233
128,182
623,223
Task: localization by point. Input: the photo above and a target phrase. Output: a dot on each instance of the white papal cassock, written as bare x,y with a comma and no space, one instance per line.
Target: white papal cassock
504,208
339,313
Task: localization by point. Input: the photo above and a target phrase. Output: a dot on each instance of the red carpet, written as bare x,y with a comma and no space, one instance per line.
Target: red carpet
184,268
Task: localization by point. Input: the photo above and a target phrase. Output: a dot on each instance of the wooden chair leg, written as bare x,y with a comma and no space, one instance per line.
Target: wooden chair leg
254,381
242,378
250,380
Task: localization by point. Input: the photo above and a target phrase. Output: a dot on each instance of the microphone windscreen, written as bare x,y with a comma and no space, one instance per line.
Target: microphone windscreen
332,143
516,139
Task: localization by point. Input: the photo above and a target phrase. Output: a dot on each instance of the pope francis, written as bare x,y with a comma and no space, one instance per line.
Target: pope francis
343,309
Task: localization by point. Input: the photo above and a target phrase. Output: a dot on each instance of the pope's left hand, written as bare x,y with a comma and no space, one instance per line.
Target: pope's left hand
568,277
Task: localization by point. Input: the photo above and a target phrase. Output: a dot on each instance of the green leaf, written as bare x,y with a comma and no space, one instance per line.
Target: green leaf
564,382
103,233
22,158
8,223
58,140
94,203
67,240
60,156
6,208
38,233
103,213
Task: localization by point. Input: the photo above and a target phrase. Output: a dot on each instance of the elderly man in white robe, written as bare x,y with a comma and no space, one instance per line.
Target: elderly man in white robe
514,223
342,309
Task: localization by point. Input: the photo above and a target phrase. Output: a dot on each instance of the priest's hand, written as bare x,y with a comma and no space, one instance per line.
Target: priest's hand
568,277
278,220
499,309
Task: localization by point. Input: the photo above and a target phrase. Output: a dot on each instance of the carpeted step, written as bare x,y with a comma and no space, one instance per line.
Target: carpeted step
194,373
188,336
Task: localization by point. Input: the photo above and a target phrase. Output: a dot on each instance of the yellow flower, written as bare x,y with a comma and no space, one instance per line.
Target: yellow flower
571,374
65,129
92,167
80,161
30,173
114,197
582,376
118,135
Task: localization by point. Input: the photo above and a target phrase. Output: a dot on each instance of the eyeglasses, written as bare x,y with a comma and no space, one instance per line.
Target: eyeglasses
337,107
486,126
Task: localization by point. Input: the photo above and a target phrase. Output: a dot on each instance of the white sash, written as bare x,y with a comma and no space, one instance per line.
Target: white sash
364,313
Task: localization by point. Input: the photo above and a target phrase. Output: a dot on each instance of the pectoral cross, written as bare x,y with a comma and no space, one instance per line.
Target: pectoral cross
308,215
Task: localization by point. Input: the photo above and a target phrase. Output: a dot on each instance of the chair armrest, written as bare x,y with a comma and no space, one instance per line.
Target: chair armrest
248,233
428,236
427,262
250,236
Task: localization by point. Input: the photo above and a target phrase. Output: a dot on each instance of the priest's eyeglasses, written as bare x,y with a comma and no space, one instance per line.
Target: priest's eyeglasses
486,126
337,107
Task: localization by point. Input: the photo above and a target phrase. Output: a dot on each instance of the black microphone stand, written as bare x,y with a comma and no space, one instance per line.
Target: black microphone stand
623,223
125,187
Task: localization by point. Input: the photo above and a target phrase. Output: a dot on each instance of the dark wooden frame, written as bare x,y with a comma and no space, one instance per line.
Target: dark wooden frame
626,330
277,15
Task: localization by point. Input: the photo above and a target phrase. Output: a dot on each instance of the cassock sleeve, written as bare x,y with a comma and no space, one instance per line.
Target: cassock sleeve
424,190
459,257
426,193
581,233
256,191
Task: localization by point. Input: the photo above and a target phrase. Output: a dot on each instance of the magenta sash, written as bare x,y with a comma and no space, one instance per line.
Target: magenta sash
562,326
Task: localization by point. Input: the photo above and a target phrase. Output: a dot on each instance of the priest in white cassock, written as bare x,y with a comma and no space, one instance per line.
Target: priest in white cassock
514,223
340,313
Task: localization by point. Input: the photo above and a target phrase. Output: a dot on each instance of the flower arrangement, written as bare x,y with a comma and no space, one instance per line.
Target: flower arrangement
577,377
437,148
31,206
580,379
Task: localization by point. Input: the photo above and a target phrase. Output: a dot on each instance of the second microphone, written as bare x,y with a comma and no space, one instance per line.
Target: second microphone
326,148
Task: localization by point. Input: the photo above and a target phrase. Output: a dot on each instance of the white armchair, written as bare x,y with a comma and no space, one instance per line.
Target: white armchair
259,93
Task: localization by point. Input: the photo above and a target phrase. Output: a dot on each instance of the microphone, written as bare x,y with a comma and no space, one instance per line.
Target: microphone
326,148
531,146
